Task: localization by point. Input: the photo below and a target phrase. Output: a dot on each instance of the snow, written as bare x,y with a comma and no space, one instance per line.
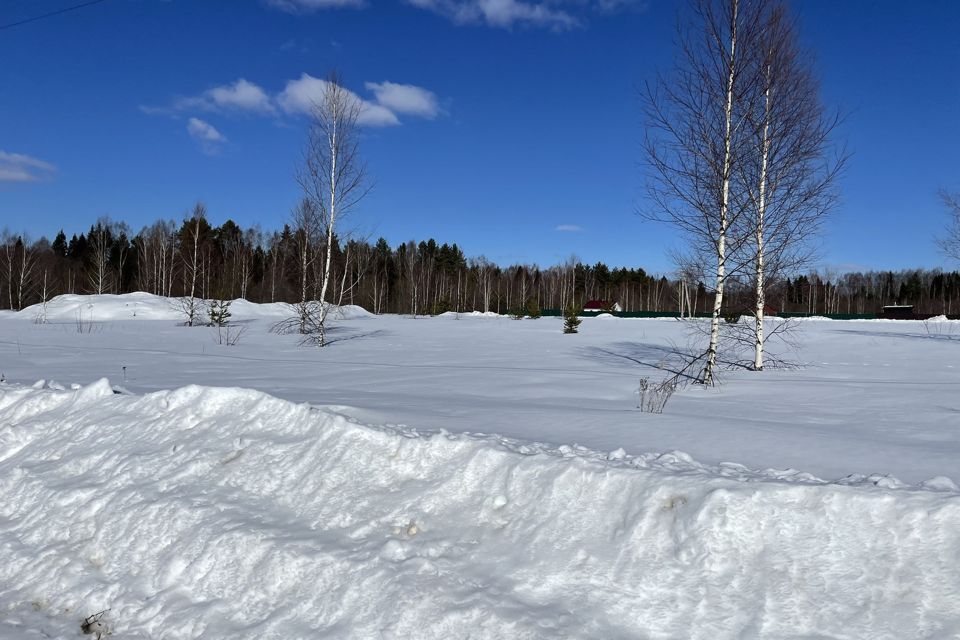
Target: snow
228,513
146,306
470,476
871,397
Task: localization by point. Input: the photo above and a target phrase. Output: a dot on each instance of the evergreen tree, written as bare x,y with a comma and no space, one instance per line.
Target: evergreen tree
59,245
219,312
533,308
571,319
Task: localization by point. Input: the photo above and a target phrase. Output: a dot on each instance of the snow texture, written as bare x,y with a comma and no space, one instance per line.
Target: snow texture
867,398
228,513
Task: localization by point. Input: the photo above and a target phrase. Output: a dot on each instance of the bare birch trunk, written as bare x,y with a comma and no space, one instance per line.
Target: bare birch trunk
760,230
708,375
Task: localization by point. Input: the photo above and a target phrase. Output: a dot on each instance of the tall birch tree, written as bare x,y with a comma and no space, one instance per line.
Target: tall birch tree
98,272
190,253
332,174
697,135
790,176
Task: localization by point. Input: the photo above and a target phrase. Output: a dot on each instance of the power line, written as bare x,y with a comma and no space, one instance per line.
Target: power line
52,13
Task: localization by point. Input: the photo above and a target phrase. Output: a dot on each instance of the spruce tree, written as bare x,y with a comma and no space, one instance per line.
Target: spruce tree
570,319
533,308
59,245
219,312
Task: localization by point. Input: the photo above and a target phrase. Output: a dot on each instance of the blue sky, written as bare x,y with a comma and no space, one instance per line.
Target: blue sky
511,127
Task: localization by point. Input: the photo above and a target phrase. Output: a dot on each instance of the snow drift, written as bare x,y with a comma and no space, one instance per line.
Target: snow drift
147,306
227,513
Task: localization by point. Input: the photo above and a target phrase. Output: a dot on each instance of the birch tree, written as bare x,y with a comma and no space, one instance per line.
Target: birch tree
790,175
27,263
9,256
306,225
697,135
190,251
98,272
19,264
483,269
332,174
154,257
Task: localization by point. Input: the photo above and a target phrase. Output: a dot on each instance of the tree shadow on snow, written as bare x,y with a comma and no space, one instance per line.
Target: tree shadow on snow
942,337
343,334
664,358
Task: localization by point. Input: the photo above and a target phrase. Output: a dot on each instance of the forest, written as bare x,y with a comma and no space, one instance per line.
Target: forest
420,278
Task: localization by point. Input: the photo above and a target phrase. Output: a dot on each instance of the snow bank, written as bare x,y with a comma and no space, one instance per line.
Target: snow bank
146,306
227,513
352,312
470,314
106,307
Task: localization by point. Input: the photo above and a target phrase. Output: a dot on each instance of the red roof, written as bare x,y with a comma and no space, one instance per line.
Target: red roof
598,304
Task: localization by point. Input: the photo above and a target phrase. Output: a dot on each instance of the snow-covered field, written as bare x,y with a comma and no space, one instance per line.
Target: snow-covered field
816,502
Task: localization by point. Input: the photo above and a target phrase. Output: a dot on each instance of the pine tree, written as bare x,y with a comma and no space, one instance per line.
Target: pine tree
570,319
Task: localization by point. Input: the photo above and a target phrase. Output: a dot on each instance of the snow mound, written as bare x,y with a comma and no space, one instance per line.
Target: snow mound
227,513
146,306
351,312
470,314
107,307
241,309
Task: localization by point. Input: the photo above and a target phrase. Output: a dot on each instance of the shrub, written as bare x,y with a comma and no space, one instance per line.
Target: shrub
653,397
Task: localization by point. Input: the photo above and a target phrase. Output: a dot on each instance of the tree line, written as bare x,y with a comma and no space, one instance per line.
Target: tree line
420,278
227,262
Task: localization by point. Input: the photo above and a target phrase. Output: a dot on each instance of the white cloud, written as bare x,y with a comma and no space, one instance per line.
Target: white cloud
204,131
568,228
306,6
373,115
405,98
241,95
206,134
300,95
500,13
17,167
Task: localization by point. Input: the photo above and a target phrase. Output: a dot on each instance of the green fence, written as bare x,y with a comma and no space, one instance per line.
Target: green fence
832,316
675,314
